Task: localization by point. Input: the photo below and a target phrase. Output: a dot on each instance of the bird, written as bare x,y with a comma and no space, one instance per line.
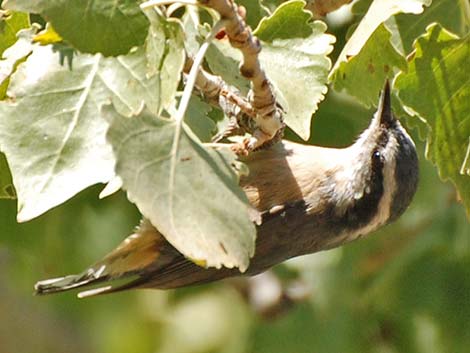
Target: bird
310,198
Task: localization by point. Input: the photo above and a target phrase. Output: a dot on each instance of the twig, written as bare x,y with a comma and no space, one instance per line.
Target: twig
261,106
213,87
193,73
268,116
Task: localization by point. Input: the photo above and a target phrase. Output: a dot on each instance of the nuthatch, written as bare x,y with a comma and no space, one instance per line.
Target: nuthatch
311,198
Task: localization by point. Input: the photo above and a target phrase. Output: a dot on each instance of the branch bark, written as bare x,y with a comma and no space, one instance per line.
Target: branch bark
268,116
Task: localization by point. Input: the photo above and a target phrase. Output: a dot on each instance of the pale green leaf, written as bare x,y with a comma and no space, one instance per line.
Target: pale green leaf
51,130
188,192
224,60
297,67
165,55
11,23
379,11
290,20
363,75
197,118
436,86
110,27
12,56
191,26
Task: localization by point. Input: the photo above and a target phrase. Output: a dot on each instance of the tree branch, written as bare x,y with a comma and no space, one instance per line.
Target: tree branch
261,115
268,116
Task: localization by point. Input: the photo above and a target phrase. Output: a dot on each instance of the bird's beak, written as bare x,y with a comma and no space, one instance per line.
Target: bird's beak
384,111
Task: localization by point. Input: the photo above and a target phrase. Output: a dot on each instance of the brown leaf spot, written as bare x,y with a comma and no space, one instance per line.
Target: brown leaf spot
222,246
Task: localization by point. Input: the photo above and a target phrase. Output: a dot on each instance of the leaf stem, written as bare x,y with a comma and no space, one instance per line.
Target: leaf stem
191,80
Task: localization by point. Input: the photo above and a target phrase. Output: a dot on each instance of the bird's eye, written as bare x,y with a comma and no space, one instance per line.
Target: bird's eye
377,157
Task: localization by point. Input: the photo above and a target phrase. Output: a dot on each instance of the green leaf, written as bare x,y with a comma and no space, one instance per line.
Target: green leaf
379,11
446,12
110,27
191,27
165,55
189,193
436,88
254,11
7,191
61,148
297,66
363,75
10,23
224,60
290,20
197,118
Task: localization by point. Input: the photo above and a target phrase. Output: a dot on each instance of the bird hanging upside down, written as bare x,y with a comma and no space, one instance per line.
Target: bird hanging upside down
311,198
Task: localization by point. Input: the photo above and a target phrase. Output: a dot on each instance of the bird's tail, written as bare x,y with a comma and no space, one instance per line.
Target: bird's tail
126,263
66,283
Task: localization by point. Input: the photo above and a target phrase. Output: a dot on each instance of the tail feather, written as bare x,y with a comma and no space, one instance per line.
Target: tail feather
62,284
128,262
131,283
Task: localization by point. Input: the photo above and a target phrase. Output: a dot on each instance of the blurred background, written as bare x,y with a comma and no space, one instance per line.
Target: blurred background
405,288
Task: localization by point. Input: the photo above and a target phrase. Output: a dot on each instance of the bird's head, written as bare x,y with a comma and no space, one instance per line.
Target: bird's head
382,170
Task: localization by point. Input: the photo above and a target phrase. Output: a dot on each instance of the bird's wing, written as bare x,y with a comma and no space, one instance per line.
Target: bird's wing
144,248
144,259
277,187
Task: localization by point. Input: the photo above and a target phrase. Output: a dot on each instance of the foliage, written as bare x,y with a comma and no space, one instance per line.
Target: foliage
443,57
107,115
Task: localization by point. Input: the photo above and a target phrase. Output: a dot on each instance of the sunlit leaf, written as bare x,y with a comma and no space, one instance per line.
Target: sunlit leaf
296,64
188,192
443,99
61,147
12,56
47,36
289,20
446,12
165,55
363,75
10,23
379,11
